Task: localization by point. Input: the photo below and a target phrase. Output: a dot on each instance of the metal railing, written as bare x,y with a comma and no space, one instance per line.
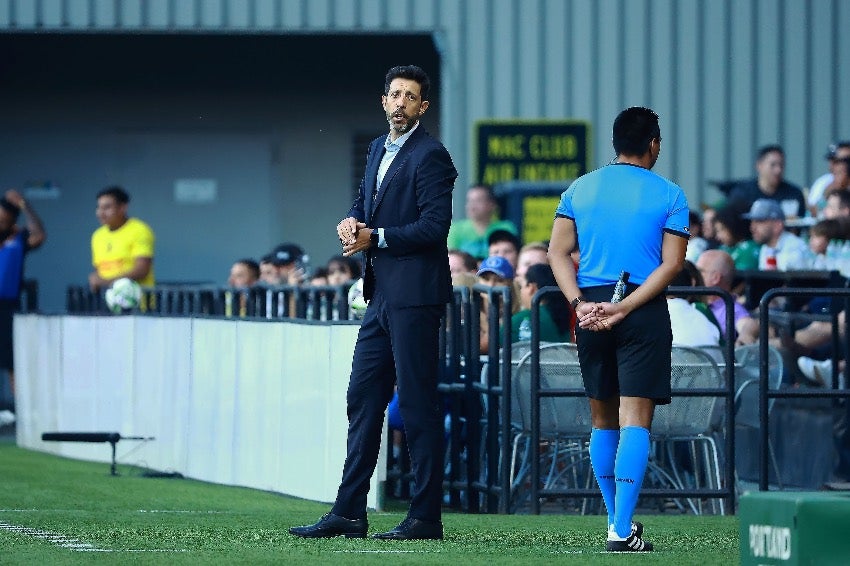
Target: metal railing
727,392
765,393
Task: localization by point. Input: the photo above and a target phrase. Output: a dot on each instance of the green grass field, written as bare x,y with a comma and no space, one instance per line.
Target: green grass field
59,511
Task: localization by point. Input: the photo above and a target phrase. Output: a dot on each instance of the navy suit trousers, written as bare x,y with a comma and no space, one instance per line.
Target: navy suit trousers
395,346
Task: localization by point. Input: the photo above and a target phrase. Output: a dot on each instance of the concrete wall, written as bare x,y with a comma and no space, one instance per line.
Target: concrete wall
220,407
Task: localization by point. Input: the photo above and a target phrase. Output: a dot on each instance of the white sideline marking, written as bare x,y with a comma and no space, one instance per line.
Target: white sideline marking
64,541
187,511
382,552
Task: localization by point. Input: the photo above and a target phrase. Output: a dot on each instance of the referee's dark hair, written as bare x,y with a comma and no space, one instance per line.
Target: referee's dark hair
634,128
116,192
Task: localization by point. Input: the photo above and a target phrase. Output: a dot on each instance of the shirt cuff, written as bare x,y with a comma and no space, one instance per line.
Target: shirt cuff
382,243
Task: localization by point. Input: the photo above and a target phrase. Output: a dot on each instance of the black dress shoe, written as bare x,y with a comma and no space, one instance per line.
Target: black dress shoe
413,529
331,525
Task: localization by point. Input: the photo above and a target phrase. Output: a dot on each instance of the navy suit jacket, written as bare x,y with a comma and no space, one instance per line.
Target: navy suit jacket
414,207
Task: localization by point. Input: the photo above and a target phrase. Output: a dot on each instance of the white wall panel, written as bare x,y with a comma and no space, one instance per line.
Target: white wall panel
259,404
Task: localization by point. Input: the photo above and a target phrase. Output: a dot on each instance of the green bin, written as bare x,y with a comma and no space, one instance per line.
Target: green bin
795,528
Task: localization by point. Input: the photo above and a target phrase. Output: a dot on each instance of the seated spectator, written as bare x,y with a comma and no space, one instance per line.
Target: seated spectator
690,326
290,259
495,271
817,197
530,254
462,262
781,250
243,274
718,270
319,278
557,320
471,234
770,184
269,274
837,204
708,216
342,270
733,233
696,243
820,235
840,177
504,244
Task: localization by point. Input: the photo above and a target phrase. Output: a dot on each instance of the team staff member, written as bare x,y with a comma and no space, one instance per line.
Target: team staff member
400,220
624,348
122,246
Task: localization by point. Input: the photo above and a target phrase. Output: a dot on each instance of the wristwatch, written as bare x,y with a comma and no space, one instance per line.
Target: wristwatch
574,303
374,237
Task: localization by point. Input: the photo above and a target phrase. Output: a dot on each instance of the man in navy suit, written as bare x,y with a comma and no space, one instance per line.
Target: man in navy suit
400,221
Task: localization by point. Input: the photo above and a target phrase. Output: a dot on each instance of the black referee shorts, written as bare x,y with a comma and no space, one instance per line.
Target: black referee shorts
633,358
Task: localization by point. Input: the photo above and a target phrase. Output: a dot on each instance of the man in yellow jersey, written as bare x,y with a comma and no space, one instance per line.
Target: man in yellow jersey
122,246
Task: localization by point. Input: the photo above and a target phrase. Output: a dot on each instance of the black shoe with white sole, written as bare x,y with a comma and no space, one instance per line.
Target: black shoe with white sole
631,543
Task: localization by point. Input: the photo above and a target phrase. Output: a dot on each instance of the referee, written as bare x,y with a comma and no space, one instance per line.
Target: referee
622,217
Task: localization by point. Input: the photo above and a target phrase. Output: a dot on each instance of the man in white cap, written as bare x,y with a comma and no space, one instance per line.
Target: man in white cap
781,250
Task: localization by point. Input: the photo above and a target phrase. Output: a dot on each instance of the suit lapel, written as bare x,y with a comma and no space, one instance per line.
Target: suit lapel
371,175
403,155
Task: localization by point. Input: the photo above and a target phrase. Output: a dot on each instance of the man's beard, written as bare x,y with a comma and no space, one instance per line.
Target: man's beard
409,122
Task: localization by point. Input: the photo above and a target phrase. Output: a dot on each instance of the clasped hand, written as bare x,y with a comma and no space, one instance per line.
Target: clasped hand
599,316
353,235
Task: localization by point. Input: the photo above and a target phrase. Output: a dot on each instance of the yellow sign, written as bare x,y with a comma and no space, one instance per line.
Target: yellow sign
538,215
532,151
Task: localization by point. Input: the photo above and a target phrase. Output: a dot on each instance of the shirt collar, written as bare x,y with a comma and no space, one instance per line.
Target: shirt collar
394,146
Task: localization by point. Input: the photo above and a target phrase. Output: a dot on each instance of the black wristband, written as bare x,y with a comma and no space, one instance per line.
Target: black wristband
574,303
374,237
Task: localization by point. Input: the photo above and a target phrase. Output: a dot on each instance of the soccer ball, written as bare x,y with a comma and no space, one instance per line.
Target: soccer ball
356,302
124,295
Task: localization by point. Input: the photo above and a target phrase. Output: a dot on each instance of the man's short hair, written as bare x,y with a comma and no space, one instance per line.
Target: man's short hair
540,246
503,236
252,266
765,149
410,72
286,254
11,209
469,262
633,129
116,192
491,194
843,197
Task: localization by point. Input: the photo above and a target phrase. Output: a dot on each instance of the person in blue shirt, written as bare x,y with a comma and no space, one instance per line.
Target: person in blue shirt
15,242
622,217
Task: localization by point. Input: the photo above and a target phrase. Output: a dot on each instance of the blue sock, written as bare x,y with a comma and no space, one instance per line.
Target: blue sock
603,451
632,456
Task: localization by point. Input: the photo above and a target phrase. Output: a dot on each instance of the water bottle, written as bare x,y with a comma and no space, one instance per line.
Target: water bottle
525,329
620,287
